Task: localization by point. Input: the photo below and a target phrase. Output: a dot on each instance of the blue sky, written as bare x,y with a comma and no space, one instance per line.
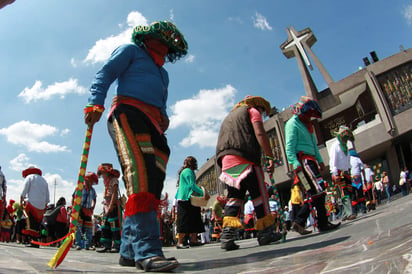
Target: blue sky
51,49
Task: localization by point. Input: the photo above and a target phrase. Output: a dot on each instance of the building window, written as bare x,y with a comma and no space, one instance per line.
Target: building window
275,146
209,180
397,87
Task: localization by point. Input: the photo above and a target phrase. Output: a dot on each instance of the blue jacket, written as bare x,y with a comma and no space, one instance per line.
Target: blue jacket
137,76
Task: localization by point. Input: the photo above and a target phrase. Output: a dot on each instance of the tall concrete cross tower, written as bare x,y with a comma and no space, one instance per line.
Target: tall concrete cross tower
297,45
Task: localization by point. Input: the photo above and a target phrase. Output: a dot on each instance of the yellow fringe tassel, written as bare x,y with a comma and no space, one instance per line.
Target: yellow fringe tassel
62,251
264,222
233,222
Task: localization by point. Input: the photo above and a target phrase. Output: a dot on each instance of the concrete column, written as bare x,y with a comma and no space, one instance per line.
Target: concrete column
381,104
393,163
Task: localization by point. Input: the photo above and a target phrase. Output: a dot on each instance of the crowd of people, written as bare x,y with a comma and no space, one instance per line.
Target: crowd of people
34,221
137,122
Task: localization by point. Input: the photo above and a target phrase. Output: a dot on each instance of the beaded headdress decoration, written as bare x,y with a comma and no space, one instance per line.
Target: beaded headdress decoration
167,33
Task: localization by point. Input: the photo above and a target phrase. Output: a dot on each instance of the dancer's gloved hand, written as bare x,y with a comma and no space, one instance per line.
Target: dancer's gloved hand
92,114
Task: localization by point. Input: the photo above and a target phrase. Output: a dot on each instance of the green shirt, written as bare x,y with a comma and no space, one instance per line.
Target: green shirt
298,138
187,185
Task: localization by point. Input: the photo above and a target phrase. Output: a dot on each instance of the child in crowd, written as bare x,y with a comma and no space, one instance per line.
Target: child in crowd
6,227
20,223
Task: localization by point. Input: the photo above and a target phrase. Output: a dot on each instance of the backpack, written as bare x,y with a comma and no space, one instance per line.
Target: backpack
51,215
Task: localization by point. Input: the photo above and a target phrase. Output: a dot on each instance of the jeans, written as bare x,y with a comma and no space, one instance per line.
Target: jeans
141,236
404,190
388,192
88,237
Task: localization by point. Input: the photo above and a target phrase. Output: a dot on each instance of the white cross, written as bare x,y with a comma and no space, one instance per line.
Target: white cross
296,41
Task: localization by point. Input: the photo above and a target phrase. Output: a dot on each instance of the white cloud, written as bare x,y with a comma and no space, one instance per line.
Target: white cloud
73,62
102,49
170,188
407,14
135,18
64,132
260,22
190,58
36,92
172,15
204,136
31,136
235,19
14,189
203,114
20,162
58,187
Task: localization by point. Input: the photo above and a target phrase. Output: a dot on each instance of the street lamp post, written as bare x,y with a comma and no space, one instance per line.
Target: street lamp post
55,183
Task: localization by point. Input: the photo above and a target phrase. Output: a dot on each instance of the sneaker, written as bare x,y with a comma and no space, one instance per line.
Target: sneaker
103,249
90,248
78,248
227,239
32,245
114,250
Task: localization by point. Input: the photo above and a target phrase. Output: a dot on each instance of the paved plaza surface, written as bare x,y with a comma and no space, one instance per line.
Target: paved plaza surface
378,242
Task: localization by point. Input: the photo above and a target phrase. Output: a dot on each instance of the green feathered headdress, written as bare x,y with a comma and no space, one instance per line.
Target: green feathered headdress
167,33
344,134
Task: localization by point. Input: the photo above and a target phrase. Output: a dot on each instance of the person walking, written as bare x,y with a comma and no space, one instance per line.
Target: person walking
189,220
87,205
378,188
357,172
369,190
387,186
110,239
61,227
300,210
249,218
206,216
241,140
34,198
339,164
307,163
137,123
217,216
3,192
403,181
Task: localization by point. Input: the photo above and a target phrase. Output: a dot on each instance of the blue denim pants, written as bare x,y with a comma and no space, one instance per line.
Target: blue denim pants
388,192
141,237
88,237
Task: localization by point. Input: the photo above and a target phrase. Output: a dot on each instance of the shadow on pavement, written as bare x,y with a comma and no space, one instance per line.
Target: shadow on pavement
257,256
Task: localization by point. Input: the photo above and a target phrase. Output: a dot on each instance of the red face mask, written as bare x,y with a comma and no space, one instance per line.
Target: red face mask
306,120
157,50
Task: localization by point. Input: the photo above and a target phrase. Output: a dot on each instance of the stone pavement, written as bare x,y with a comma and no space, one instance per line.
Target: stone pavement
378,242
